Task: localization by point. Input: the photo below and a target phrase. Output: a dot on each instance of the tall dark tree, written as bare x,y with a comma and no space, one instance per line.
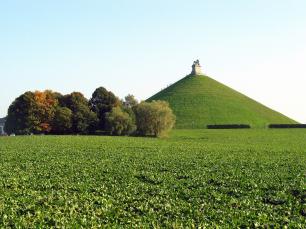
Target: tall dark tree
102,102
20,117
62,122
83,119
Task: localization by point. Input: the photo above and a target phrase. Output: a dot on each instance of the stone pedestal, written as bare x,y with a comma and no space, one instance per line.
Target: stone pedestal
196,68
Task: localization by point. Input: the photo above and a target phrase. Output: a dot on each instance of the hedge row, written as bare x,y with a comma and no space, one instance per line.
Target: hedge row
287,126
229,126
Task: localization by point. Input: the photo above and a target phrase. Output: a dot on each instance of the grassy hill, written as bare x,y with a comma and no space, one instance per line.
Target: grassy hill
199,100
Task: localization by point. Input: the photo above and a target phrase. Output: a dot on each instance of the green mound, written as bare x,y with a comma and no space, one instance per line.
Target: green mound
198,101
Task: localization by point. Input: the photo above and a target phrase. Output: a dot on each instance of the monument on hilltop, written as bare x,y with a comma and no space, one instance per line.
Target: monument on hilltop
199,101
196,68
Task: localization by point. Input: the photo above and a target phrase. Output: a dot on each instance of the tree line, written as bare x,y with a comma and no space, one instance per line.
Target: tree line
49,112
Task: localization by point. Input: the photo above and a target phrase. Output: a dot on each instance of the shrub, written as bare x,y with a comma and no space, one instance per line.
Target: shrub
119,122
154,118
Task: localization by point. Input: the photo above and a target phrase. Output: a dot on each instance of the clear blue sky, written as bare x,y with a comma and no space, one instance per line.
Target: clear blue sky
257,47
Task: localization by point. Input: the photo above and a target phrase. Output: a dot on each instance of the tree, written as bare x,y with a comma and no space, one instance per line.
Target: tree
31,112
154,118
119,122
44,109
102,102
128,104
83,119
130,101
20,117
62,122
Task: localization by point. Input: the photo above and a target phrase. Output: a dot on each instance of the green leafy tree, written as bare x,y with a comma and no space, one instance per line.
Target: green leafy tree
119,122
62,122
154,118
128,105
102,102
20,117
130,101
83,119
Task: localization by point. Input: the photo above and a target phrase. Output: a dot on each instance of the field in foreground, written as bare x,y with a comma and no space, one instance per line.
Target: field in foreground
195,178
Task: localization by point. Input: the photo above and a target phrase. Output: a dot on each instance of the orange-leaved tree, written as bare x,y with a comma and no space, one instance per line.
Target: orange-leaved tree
44,110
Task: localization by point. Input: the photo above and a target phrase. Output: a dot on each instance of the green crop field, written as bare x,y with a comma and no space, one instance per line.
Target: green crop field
198,101
195,178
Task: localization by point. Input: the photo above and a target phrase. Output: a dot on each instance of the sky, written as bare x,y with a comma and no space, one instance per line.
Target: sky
139,47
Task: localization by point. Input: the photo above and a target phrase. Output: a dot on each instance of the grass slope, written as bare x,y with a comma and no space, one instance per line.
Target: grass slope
199,100
194,179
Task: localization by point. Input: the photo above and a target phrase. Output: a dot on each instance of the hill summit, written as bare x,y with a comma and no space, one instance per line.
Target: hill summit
198,100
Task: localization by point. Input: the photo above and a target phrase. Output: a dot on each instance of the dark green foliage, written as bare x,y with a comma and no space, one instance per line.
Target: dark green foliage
83,119
62,123
154,118
198,101
119,122
56,95
229,126
194,179
101,102
20,119
73,101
